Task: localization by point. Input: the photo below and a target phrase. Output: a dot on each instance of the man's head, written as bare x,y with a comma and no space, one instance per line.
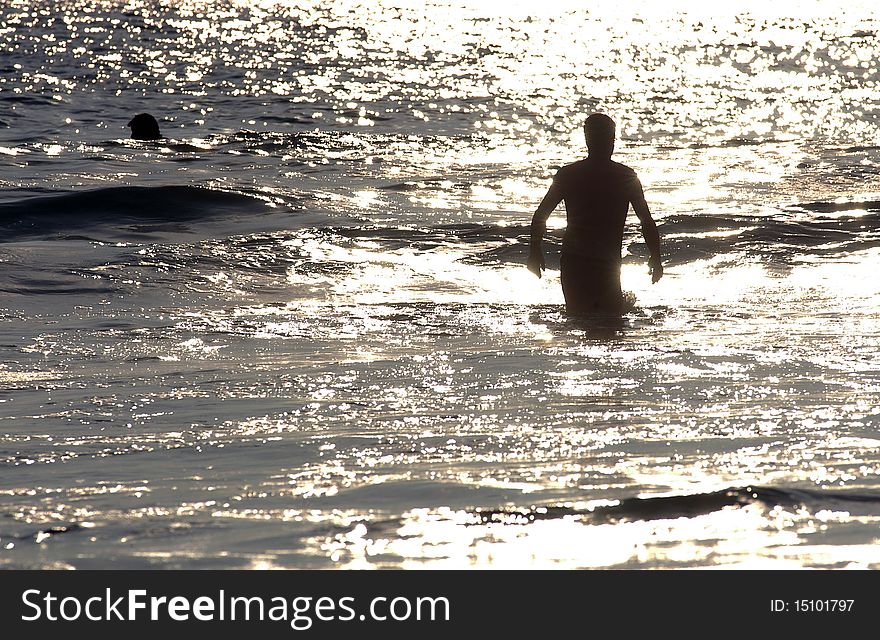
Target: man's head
144,127
599,131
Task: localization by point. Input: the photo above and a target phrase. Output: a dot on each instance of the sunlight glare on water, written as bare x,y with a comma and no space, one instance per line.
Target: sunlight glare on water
298,331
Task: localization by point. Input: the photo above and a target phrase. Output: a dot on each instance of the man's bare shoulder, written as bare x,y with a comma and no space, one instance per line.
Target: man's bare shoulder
622,169
591,166
571,168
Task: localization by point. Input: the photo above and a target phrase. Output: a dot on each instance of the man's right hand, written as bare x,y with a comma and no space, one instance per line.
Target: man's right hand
536,262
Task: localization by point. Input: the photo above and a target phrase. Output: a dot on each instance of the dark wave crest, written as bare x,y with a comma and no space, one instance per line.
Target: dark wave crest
115,206
692,505
830,207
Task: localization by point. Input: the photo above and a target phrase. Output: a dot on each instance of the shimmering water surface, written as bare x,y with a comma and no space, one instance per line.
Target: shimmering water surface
299,332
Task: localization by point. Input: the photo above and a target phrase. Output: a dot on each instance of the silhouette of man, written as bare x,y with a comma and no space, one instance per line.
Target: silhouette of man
597,193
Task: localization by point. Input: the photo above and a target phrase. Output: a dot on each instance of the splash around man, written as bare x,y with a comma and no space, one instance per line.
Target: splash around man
597,192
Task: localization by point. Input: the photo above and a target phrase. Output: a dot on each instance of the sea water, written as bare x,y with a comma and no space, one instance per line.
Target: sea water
299,332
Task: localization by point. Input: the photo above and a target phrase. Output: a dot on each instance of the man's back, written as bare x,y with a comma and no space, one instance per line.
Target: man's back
597,194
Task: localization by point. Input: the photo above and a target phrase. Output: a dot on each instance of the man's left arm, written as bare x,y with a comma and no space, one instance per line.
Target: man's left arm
649,229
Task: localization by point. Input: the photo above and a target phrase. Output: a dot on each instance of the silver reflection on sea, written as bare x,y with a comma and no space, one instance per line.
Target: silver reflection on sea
350,366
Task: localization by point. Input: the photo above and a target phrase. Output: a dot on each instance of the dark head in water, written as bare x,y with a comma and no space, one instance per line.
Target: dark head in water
144,127
599,131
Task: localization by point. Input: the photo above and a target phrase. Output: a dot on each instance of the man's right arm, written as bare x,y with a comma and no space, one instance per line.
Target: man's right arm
539,224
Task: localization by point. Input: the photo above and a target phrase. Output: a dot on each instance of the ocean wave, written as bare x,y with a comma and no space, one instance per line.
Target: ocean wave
693,505
861,148
116,206
850,226
685,238
834,206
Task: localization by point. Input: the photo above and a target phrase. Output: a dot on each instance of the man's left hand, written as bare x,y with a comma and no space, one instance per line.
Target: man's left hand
656,269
